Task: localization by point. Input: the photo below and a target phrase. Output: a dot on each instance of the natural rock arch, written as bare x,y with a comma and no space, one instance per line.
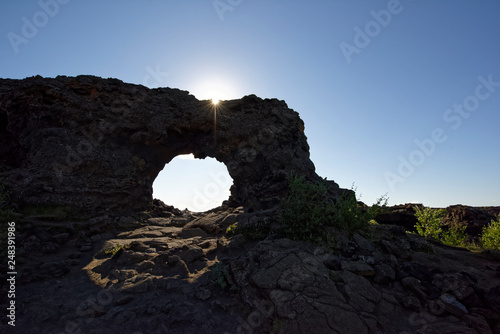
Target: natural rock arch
90,145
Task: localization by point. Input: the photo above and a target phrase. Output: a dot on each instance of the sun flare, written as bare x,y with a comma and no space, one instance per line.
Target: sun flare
215,89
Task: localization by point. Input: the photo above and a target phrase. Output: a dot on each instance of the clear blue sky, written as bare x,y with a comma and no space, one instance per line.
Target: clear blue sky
369,78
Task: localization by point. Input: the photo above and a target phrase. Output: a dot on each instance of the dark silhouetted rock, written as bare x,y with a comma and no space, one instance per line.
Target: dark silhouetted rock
475,218
83,145
403,215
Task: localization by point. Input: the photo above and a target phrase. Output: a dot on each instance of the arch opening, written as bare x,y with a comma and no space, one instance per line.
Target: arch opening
194,184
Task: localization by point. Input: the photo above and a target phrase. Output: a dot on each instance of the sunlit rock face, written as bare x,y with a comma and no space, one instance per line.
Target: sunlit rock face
92,145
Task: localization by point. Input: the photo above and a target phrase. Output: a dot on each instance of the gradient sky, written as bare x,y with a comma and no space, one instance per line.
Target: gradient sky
398,97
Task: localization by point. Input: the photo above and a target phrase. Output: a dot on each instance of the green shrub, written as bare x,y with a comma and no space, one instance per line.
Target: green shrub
456,236
233,230
307,211
490,237
221,274
346,214
429,223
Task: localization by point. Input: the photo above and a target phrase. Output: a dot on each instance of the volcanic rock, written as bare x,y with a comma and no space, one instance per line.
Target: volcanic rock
474,218
81,146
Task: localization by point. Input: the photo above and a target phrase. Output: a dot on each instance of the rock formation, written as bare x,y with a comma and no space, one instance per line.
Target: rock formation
88,145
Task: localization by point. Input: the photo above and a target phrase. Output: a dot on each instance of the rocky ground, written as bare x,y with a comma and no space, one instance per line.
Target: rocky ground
174,271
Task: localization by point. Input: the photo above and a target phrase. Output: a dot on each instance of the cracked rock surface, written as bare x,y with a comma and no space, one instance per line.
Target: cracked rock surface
167,273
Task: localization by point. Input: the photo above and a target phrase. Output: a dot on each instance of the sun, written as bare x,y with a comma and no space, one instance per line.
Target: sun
215,95
216,89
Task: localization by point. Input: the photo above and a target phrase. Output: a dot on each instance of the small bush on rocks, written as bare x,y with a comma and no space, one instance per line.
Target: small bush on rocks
307,211
221,274
456,236
429,223
490,237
